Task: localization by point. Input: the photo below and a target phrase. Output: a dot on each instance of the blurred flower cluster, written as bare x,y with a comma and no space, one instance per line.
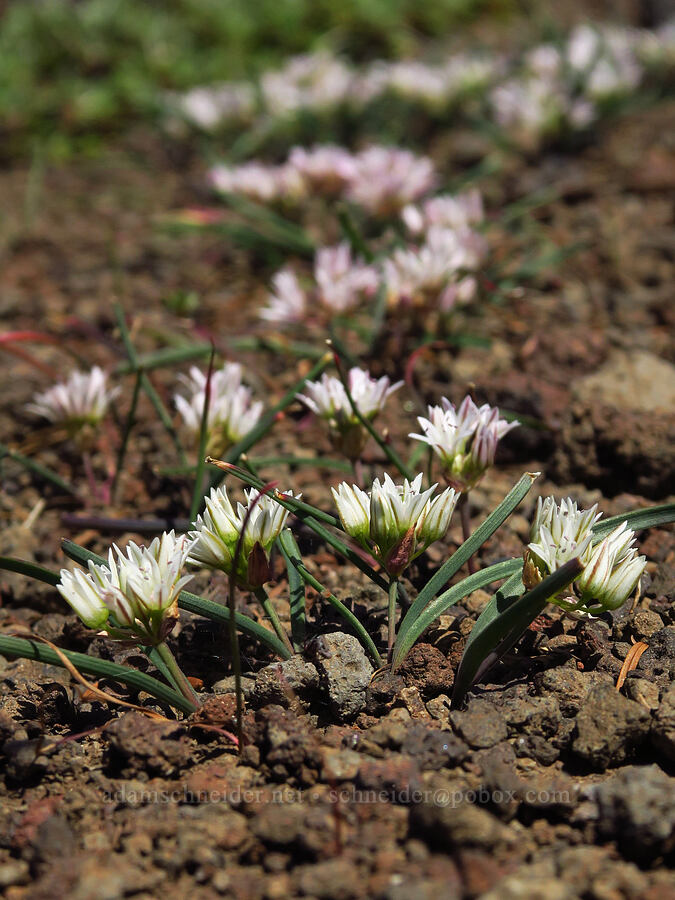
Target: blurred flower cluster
553,86
381,180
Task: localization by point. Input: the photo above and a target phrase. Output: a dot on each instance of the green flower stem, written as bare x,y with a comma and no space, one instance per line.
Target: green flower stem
393,594
177,674
387,449
339,606
128,425
270,612
465,515
270,417
24,648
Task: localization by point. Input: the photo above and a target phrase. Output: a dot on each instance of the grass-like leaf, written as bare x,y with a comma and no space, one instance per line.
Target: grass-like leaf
639,519
296,586
24,648
485,530
37,468
448,598
501,623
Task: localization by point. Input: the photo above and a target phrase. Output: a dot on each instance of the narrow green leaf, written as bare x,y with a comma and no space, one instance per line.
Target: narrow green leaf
146,384
31,569
447,599
160,359
24,648
512,619
485,530
296,586
650,517
193,603
32,466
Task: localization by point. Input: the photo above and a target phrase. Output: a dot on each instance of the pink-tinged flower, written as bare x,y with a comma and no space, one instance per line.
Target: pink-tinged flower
431,273
341,281
328,400
387,178
446,211
316,82
257,181
326,168
231,414
287,302
464,439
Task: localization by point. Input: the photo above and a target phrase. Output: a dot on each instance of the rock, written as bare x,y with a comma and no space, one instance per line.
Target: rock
383,692
645,624
481,724
568,684
291,683
138,744
427,669
663,726
14,872
339,764
637,810
279,824
658,661
616,450
226,686
630,380
609,728
331,879
644,692
344,672
447,819
288,746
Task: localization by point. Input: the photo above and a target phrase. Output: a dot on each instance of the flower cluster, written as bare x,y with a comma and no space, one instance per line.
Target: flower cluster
464,439
380,179
134,597
550,87
340,284
77,403
218,529
434,273
453,211
612,568
328,400
396,523
231,414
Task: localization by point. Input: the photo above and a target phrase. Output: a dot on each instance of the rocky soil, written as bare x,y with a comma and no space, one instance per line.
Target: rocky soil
550,783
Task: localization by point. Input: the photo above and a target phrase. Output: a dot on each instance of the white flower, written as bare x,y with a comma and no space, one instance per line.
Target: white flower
387,178
313,81
218,530
287,302
395,522
560,533
213,105
328,400
611,573
448,211
341,281
81,400
429,274
465,439
326,168
232,412
140,590
259,182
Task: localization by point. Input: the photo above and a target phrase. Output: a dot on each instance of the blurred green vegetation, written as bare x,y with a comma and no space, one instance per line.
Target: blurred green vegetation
73,71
